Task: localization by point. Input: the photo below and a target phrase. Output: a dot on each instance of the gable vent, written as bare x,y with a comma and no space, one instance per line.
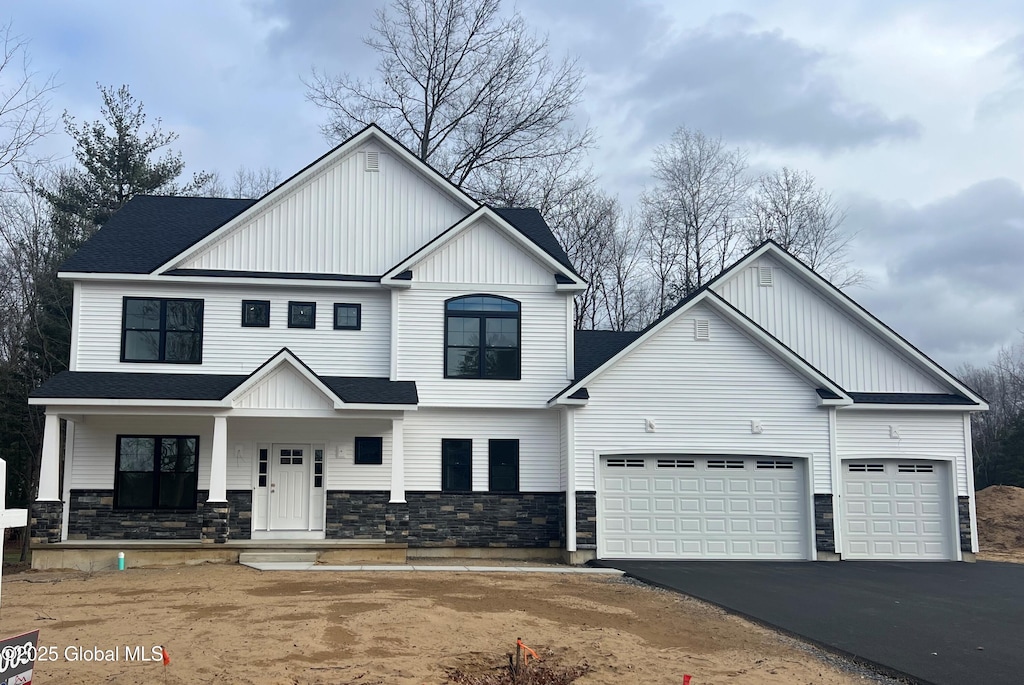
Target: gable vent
765,276
701,329
675,463
372,160
866,468
915,468
626,463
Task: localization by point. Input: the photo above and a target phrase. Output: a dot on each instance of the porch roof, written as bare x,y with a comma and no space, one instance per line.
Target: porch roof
116,385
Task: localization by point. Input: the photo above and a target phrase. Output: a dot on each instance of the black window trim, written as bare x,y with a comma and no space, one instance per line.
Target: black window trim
359,316
470,474
246,303
163,329
377,440
483,316
294,303
490,467
156,471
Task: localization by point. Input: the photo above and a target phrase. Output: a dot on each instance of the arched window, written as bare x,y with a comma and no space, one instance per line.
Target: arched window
481,338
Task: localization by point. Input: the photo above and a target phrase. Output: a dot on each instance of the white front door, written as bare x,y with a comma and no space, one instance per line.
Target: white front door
289,487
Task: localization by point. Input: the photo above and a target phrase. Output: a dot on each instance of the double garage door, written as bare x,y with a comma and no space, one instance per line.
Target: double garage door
695,507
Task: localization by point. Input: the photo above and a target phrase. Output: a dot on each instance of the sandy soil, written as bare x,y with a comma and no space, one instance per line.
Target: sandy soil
232,624
1001,523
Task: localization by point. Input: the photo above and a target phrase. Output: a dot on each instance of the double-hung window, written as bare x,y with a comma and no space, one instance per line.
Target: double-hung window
456,465
482,334
162,330
156,472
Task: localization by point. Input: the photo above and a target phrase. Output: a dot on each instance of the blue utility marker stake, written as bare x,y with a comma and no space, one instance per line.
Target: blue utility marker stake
120,561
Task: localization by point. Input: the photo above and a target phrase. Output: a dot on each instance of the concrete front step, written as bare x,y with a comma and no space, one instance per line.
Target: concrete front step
277,557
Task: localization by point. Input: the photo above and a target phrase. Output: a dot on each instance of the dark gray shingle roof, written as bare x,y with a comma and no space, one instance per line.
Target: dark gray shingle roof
151,230
116,385
594,348
908,398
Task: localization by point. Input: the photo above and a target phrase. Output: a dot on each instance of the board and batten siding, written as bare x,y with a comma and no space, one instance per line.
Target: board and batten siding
865,434
482,254
543,349
701,397
284,388
228,348
536,430
832,341
342,220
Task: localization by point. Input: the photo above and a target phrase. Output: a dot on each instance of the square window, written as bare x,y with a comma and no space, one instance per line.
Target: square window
369,450
162,330
156,472
503,465
256,313
347,317
456,465
302,315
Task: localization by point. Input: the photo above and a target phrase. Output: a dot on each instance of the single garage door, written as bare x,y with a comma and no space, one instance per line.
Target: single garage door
694,507
896,509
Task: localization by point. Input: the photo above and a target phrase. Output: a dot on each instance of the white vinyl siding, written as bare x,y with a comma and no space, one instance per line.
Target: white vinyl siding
828,338
701,397
95,448
342,220
482,254
922,435
96,445
228,348
537,432
542,348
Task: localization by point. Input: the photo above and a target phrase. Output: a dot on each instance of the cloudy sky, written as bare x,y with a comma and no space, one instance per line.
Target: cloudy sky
910,111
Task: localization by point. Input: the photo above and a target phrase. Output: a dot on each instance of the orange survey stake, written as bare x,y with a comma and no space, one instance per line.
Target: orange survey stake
529,651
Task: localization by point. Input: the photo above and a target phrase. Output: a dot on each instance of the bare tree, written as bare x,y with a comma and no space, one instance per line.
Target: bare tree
24,103
700,185
254,183
998,460
787,206
625,287
464,87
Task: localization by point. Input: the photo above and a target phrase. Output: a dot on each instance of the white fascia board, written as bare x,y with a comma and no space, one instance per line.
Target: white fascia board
566,402
916,407
159,279
285,356
848,305
347,147
510,232
71,403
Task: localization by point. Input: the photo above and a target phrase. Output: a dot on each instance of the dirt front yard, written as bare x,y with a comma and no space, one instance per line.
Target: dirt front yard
231,624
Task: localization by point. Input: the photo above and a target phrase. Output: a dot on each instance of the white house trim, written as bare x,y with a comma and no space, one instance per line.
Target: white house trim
285,356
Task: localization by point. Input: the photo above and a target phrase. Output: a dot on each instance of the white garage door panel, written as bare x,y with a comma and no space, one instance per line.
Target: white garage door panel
896,509
693,510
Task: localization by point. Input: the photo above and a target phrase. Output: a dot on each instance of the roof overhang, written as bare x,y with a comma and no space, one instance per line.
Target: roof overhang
283,358
835,395
564,278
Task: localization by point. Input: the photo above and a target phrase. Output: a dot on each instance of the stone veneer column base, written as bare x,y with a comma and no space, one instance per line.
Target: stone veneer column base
586,520
824,525
963,510
45,522
396,523
216,527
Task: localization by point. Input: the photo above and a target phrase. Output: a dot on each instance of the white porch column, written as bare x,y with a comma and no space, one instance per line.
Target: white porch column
219,462
69,455
569,426
397,461
49,469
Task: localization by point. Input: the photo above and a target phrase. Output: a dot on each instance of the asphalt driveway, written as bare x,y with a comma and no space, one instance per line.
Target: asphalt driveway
941,623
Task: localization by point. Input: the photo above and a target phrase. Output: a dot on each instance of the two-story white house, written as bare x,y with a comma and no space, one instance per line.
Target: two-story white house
368,354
